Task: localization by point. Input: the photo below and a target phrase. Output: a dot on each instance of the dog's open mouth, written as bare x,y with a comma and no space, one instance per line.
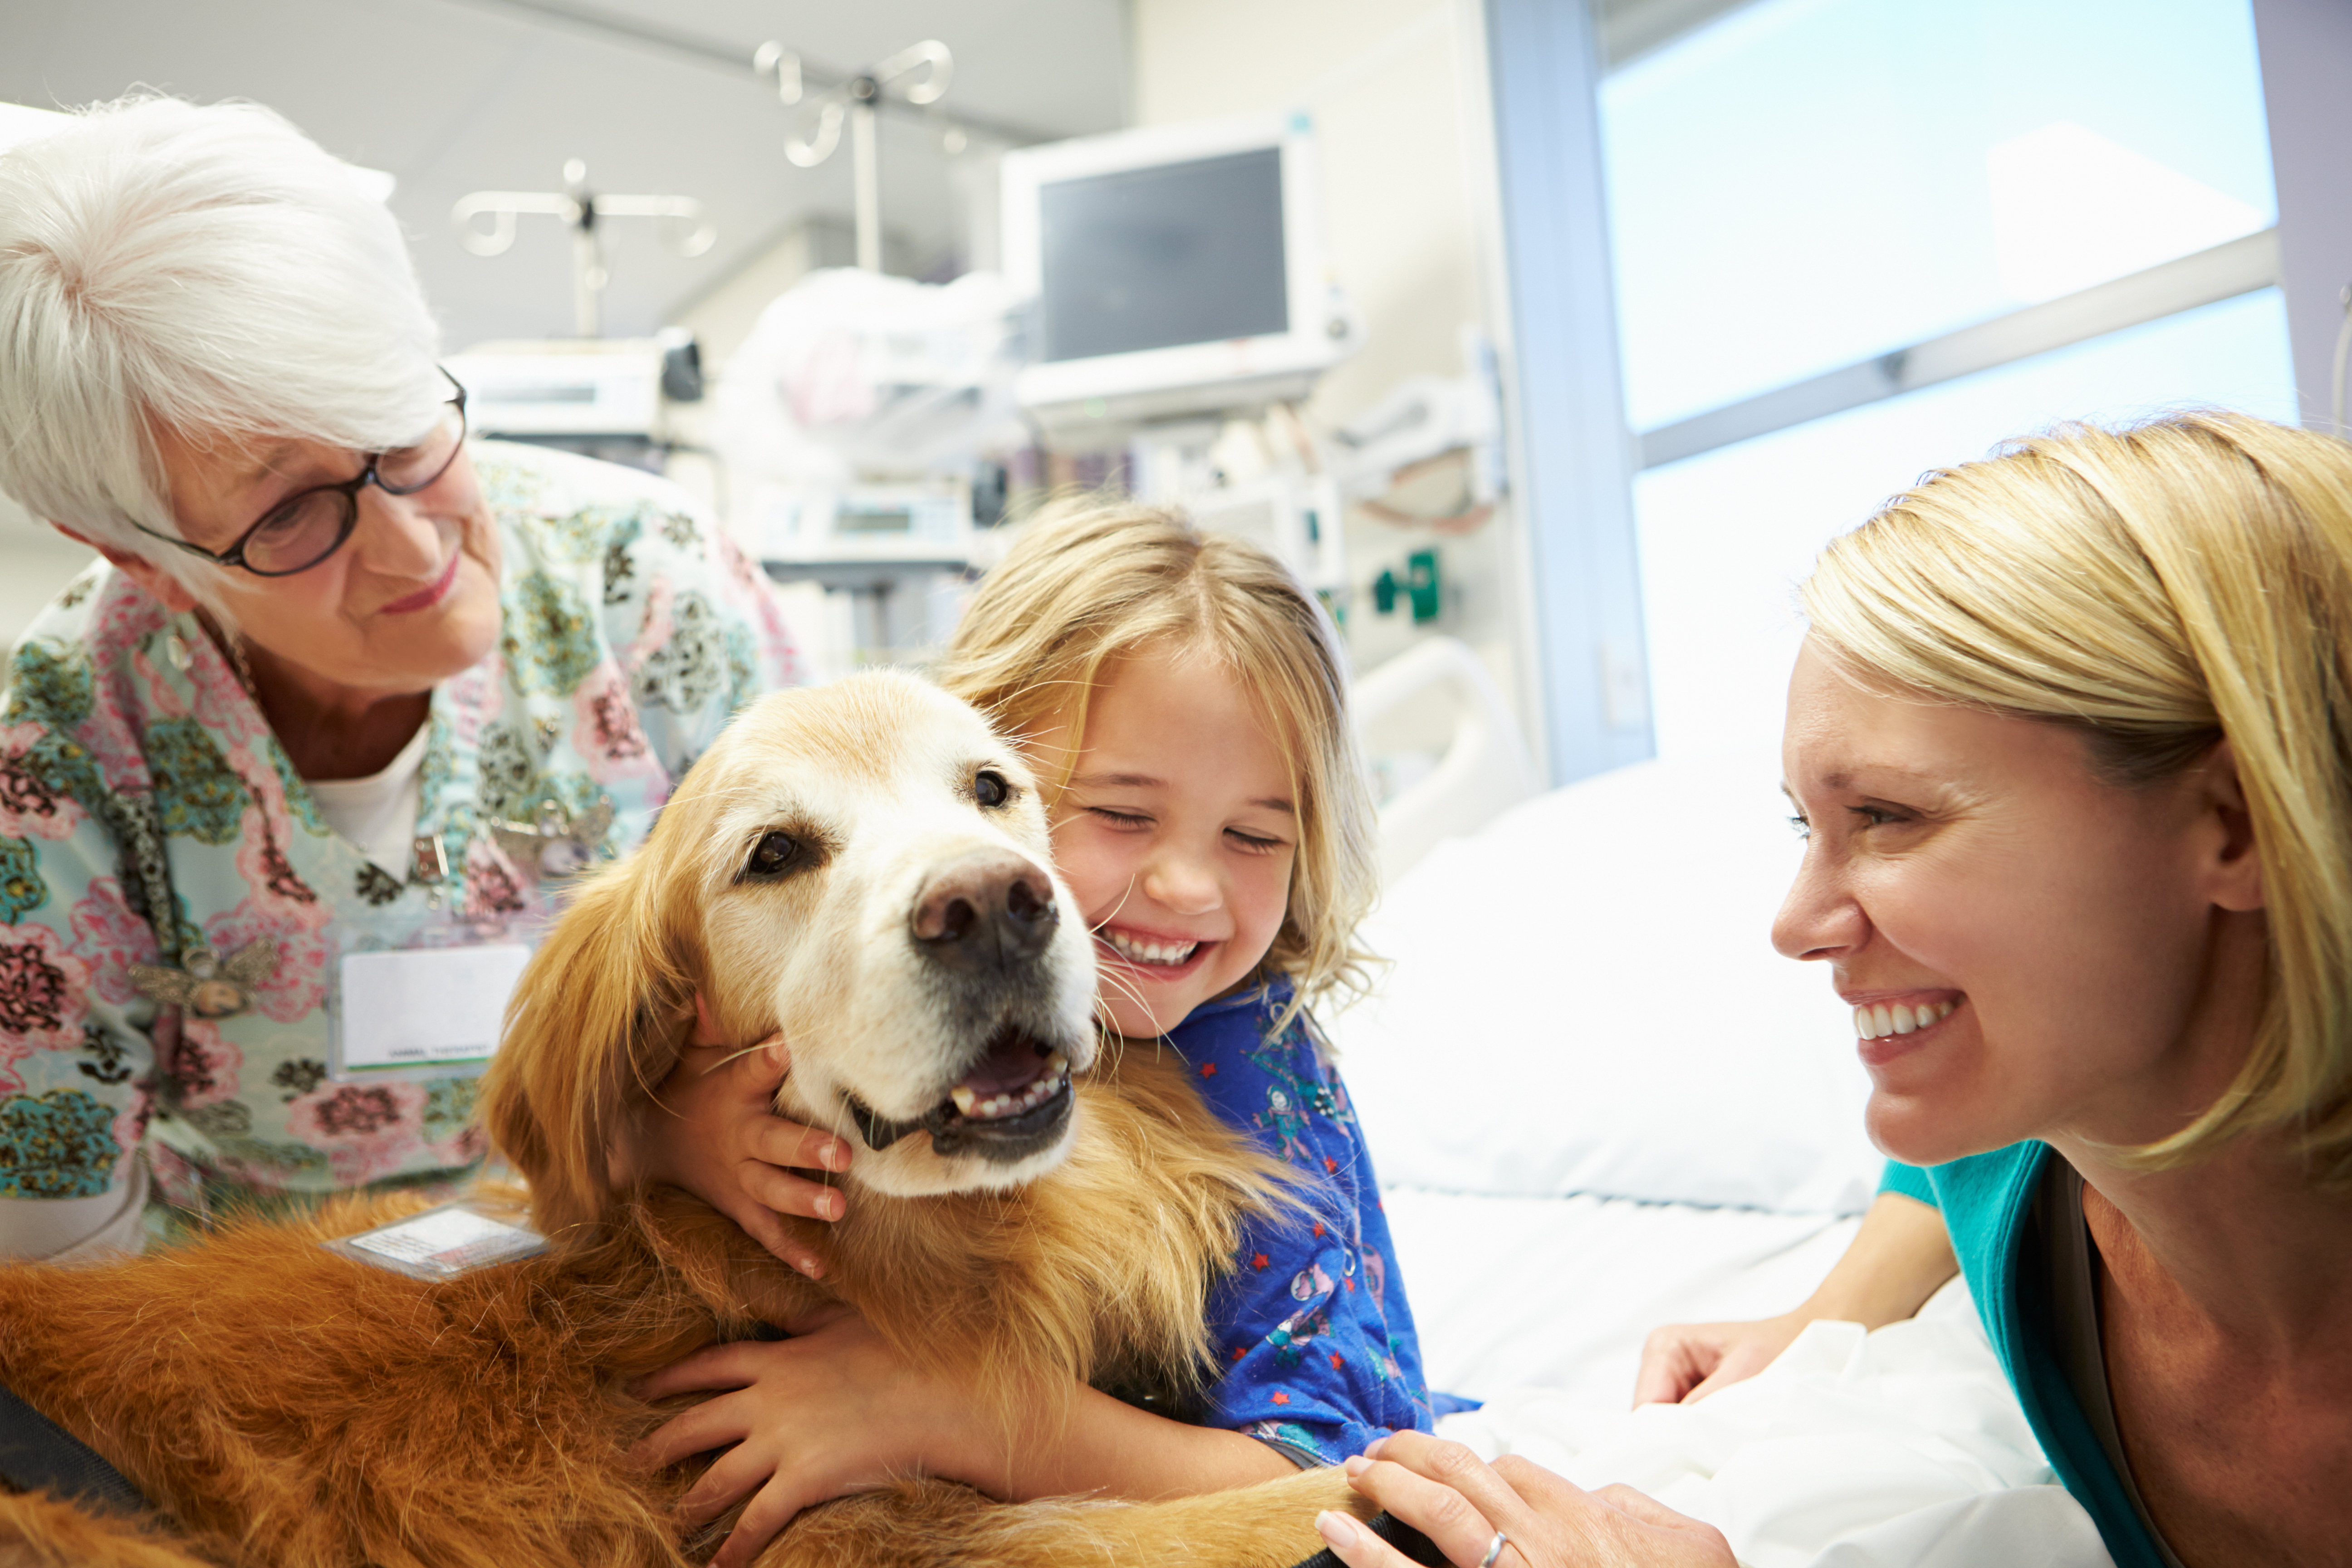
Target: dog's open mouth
1013,1101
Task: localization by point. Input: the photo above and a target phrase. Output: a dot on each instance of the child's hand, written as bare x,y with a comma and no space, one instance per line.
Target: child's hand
712,1130
828,1412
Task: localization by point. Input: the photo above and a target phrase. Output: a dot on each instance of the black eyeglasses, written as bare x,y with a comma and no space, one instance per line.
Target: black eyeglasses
311,525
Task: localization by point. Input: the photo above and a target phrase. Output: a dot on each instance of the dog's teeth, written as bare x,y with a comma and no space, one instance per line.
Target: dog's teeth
977,1107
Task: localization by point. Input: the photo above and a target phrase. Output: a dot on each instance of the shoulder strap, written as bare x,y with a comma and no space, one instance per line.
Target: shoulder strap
37,1455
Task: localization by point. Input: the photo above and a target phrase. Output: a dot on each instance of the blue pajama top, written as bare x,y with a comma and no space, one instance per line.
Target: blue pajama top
1312,1326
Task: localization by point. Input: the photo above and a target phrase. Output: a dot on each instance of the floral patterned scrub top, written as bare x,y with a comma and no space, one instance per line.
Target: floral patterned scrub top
1313,1328
632,631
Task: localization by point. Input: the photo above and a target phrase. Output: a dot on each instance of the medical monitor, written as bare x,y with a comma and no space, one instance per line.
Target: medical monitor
1177,270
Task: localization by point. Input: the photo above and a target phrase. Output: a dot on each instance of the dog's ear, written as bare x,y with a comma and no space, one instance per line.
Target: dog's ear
594,1026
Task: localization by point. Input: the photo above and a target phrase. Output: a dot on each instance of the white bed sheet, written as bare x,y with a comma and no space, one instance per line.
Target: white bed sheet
1559,1293
1903,1448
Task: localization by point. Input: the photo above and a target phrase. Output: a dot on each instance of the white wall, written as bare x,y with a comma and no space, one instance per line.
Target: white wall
455,97
1397,91
35,561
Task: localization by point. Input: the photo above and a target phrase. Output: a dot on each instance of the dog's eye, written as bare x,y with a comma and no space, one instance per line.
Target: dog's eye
991,789
776,854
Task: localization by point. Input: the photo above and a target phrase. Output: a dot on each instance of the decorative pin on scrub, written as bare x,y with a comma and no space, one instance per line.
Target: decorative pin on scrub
556,842
207,985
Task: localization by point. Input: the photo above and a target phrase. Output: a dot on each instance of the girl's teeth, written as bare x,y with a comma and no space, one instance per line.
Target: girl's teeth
1166,954
1874,1022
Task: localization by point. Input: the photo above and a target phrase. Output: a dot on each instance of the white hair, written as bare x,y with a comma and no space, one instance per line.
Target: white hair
208,269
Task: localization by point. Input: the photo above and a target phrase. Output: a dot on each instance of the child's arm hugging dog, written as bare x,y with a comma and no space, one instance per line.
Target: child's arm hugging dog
1183,701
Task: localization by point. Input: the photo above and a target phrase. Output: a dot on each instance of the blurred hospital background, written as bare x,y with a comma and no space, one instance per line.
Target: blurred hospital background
1547,339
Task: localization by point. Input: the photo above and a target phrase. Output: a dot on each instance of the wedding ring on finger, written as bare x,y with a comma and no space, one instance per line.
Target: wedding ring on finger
1494,1550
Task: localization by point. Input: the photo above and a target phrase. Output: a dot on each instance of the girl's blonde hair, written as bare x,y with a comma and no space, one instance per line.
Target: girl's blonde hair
1090,582
2160,588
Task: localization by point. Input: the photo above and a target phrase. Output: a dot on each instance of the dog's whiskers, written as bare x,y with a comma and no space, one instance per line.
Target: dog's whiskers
737,1055
1124,987
1095,928
840,1113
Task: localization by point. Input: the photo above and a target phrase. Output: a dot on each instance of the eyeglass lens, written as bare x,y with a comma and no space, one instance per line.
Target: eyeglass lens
309,527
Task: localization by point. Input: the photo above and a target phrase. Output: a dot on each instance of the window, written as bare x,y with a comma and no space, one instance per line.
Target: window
1727,536
1808,185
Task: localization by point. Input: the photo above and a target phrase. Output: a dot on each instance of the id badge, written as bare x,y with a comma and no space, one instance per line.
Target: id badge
442,1242
420,1012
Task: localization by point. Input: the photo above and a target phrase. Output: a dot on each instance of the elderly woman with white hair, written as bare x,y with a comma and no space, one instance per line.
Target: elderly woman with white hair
343,684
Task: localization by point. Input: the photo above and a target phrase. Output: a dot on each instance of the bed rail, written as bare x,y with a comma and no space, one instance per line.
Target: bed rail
1485,768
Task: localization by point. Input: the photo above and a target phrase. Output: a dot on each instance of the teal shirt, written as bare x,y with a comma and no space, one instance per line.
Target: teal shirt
1985,1199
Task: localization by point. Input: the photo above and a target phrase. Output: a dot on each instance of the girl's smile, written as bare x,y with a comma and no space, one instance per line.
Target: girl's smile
1157,956
1176,833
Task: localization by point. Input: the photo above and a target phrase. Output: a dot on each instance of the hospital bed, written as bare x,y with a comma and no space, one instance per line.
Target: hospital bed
1598,1102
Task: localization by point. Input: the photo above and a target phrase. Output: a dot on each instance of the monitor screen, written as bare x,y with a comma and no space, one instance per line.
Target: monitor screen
1151,259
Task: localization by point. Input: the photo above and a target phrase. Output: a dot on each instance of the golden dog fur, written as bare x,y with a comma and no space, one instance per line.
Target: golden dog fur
282,1403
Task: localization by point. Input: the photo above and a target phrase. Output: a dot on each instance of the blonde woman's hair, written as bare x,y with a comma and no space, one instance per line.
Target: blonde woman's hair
2160,588
1090,582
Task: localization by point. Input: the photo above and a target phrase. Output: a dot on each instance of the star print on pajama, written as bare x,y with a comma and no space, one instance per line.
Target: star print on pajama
1312,1328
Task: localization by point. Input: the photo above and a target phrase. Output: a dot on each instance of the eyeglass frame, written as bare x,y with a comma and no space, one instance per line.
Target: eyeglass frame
349,490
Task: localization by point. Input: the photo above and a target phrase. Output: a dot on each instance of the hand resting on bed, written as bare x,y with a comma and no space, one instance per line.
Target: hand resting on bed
1461,1502
1898,1259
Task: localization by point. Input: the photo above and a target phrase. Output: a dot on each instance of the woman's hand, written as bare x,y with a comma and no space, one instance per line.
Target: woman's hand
1901,1256
830,1412
1687,1361
712,1130
1459,1501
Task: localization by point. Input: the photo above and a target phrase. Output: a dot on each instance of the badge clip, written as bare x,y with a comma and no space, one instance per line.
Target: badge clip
430,863
556,842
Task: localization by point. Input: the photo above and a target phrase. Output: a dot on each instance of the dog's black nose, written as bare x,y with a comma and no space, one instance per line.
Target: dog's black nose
990,912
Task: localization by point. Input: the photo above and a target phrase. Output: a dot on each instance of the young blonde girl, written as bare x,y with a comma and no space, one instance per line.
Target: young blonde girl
1183,701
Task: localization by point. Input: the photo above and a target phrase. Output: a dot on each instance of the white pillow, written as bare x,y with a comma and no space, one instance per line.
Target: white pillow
1584,998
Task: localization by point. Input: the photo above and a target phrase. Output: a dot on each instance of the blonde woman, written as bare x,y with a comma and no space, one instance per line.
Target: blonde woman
2072,741
1183,701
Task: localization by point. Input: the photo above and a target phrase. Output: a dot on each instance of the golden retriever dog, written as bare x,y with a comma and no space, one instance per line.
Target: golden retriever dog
864,867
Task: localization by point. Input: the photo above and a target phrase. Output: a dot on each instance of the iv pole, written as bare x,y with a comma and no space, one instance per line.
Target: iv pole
582,210
818,133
